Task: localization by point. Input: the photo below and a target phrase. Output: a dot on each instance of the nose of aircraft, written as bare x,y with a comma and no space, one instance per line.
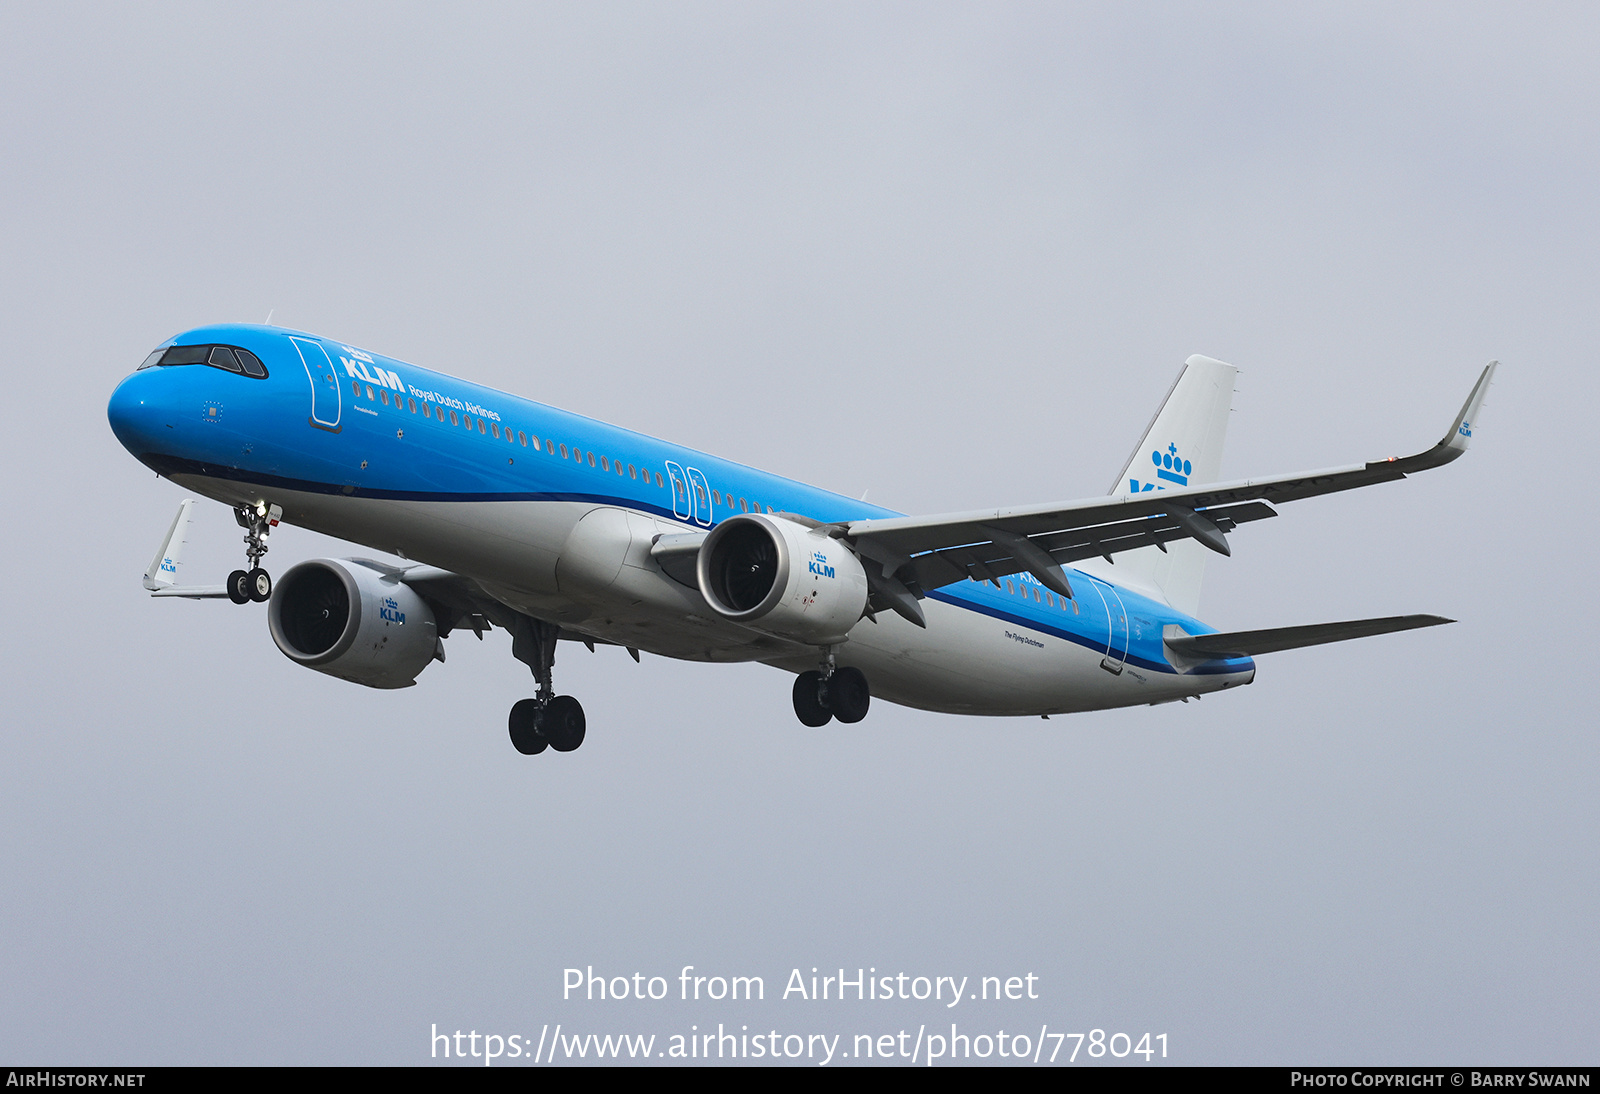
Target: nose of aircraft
135,413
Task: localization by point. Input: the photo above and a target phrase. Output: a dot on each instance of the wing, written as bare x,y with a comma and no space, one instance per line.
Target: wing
922,553
458,601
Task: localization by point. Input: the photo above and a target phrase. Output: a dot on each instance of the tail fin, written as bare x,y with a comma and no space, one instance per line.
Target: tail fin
1183,447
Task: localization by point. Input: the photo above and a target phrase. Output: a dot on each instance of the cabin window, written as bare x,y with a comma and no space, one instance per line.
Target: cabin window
658,479
632,474
356,384
743,508
453,419
426,413
563,451
412,404
384,397
371,396
1009,589
522,439
618,465
591,459
604,466
494,429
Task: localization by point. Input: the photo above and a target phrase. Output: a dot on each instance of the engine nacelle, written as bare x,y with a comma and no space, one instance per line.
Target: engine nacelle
351,622
780,578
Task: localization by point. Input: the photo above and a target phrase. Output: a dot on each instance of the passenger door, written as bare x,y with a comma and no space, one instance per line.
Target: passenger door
702,497
682,506
1116,627
325,398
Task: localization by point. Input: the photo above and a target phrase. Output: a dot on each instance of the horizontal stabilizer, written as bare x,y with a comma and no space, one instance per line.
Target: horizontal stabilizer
1201,647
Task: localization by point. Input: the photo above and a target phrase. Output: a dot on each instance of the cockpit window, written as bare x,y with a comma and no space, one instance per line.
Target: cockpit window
230,358
252,364
186,355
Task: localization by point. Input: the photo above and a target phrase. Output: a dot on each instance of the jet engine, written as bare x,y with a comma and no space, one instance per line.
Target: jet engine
351,622
781,578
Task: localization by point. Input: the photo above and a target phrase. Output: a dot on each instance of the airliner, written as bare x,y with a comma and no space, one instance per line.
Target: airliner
504,512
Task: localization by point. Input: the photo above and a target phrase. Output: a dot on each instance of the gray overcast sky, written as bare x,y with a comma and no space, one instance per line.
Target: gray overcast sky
949,254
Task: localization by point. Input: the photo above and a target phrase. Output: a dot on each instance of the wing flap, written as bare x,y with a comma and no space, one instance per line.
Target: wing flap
991,559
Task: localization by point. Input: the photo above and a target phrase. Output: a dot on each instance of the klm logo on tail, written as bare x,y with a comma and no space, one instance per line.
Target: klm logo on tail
1169,467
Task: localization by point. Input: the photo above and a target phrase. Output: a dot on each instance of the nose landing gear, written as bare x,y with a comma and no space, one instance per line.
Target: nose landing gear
547,720
253,584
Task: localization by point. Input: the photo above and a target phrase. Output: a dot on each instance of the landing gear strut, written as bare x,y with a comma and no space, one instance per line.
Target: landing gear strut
253,583
829,693
547,720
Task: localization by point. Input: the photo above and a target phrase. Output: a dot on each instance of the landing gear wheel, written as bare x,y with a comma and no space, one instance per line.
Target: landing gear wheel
524,726
258,585
848,695
239,587
564,723
808,704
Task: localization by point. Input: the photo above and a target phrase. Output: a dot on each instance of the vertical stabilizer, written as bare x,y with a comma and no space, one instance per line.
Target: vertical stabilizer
1182,447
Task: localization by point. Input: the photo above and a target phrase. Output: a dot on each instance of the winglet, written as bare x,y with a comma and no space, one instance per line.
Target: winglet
1461,432
162,576
1455,442
163,571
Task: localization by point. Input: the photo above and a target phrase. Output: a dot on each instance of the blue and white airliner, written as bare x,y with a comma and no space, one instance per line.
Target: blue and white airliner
509,513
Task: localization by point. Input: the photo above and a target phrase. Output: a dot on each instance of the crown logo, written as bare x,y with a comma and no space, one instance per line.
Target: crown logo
1170,467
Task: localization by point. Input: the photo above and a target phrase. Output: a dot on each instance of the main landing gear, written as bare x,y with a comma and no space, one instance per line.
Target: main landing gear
253,583
821,696
547,720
